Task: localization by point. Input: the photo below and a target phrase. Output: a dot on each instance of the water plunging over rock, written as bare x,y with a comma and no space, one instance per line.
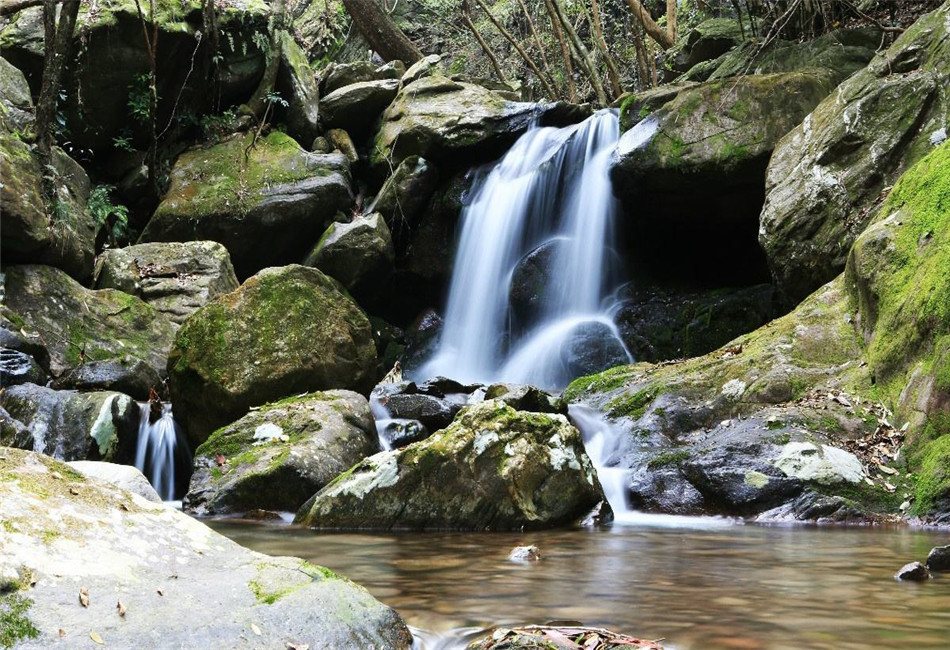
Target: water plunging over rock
551,187
160,447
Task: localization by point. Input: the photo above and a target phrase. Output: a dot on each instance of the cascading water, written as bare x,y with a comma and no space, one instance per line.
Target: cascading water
552,188
159,448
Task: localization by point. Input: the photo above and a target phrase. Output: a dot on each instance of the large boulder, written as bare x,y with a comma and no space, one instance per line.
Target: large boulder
276,457
80,325
126,477
403,197
20,368
285,331
450,122
65,534
132,377
174,278
827,175
357,107
70,425
494,468
358,254
897,273
267,202
16,103
106,76
61,234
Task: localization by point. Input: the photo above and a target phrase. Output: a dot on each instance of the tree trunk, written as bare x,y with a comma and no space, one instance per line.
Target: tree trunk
643,67
381,32
481,41
524,55
583,54
655,32
565,50
57,46
671,19
612,71
537,39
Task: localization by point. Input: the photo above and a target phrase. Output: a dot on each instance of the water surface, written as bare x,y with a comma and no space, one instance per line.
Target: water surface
708,585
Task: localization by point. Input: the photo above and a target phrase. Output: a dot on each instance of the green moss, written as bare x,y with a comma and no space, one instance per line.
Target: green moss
933,482
601,382
635,405
666,459
873,498
15,623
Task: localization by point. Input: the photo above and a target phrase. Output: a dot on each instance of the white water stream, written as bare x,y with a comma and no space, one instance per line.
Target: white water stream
160,445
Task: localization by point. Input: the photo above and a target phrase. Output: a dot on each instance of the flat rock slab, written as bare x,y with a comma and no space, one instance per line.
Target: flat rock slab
180,584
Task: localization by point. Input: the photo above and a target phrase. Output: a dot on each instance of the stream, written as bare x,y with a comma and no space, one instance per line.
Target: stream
697,583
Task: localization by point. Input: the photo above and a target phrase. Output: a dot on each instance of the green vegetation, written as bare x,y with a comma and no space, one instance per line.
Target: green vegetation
635,405
15,624
111,216
668,458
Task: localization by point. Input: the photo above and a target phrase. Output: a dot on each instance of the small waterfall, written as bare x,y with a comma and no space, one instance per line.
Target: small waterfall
552,188
161,445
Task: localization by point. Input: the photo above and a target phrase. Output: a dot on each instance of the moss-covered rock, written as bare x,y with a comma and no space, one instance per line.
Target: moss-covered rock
297,85
358,254
276,457
357,107
80,325
267,200
403,198
102,81
60,234
71,532
174,278
285,331
16,104
69,425
899,275
493,468
827,174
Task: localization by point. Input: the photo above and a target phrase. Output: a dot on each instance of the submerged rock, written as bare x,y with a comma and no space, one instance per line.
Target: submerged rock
73,533
277,456
493,468
266,203
285,331
69,425
525,554
80,325
174,278
913,571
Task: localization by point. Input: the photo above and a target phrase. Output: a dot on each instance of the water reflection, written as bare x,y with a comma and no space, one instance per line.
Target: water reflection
741,587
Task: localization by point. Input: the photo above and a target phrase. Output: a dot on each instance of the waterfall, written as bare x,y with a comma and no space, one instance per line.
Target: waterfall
551,189
160,447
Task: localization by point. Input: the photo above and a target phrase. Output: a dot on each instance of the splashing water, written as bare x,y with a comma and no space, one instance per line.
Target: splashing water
160,446
551,188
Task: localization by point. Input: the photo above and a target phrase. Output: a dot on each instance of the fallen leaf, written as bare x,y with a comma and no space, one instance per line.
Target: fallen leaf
95,637
119,606
256,630
73,491
888,470
62,632
84,597
159,592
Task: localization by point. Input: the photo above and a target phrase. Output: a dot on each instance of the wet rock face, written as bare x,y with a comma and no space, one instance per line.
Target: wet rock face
493,468
19,368
286,331
277,456
53,516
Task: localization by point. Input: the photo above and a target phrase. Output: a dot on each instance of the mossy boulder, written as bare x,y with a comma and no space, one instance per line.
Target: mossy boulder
266,199
61,234
276,457
72,532
174,278
285,331
404,196
106,74
828,174
80,325
708,40
70,425
453,123
358,254
297,85
493,468
357,107
16,103
899,276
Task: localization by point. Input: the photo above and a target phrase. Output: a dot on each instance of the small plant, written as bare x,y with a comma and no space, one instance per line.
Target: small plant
123,141
139,101
217,127
111,216
274,99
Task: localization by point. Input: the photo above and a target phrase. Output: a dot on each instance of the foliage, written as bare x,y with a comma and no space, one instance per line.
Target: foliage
15,625
217,127
114,217
139,101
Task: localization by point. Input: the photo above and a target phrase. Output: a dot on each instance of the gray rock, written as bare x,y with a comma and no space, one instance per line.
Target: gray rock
523,397
819,508
525,554
279,455
16,335
297,85
442,386
424,67
357,107
403,198
20,368
136,378
343,143
358,254
124,477
174,278
76,533
493,469
69,425
400,433
531,282
16,102
939,558
339,75
914,572
593,347
434,413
